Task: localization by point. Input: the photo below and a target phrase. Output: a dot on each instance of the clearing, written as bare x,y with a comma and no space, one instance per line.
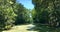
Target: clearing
19,28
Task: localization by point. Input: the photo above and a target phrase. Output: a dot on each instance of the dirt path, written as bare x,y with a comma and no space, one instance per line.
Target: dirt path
19,28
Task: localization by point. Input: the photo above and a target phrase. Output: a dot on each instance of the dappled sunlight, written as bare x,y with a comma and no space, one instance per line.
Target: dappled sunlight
29,15
20,28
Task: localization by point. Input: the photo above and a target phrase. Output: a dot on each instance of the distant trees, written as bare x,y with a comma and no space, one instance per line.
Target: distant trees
47,11
19,10
27,14
22,14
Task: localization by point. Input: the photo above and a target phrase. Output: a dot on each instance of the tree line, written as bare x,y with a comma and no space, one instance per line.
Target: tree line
46,12
12,13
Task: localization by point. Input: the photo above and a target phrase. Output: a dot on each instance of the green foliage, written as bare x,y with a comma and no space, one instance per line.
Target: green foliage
45,28
41,11
27,15
12,13
33,12
47,12
7,15
22,14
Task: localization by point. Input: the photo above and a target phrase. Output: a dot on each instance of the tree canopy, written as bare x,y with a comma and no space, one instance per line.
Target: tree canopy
11,13
47,11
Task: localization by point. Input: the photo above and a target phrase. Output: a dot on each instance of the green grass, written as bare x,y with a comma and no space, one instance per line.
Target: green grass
44,28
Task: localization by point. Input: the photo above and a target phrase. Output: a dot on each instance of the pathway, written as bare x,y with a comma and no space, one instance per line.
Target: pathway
19,28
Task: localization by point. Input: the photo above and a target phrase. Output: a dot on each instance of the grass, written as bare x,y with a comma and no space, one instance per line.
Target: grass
44,28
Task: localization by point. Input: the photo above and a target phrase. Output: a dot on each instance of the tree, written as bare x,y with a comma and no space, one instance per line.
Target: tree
22,14
47,11
27,14
41,11
7,15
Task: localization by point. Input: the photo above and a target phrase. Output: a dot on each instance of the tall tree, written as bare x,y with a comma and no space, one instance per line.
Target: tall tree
47,11
7,15
22,13
41,10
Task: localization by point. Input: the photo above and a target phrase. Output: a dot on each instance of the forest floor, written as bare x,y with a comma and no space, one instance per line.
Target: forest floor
19,28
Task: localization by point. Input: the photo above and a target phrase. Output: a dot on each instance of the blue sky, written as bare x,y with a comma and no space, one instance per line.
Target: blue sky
27,3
